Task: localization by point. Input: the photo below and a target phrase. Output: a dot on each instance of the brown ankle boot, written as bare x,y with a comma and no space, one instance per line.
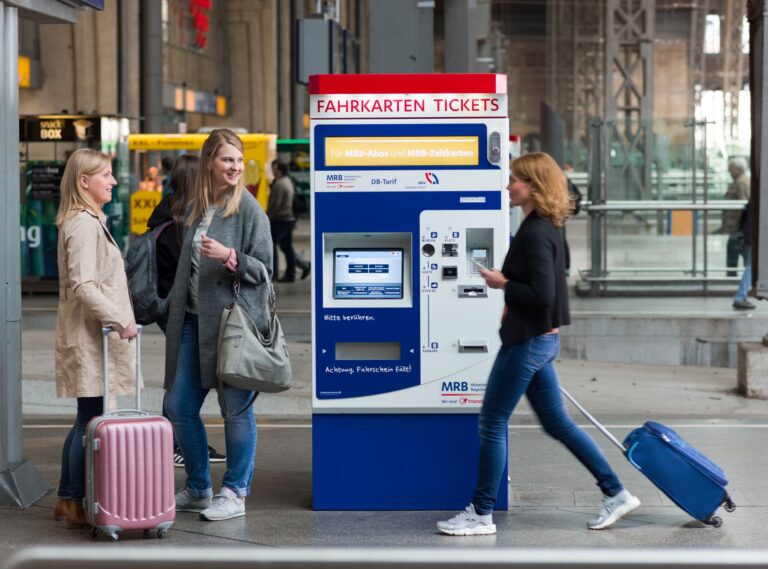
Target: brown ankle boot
76,516
61,510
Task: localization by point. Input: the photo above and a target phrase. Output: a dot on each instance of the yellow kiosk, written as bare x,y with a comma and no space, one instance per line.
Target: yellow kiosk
259,151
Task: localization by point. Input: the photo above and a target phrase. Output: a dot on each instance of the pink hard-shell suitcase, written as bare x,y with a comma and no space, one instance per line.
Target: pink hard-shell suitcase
129,466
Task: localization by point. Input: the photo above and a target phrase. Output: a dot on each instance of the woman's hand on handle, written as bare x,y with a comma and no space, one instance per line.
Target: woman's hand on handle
129,332
213,249
493,278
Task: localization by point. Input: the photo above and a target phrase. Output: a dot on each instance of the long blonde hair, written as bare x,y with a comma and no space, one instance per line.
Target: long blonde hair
74,199
550,190
202,193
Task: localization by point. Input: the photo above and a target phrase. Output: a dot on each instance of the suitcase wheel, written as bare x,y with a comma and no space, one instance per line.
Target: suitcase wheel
715,521
161,533
730,505
94,533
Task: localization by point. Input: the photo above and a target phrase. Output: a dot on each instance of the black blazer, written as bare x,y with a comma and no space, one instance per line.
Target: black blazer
536,293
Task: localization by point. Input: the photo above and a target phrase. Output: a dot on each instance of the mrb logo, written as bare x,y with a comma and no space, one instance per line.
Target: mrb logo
334,178
455,386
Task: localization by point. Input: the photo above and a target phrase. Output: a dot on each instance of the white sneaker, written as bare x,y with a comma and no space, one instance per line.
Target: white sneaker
187,503
468,522
224,506
613,509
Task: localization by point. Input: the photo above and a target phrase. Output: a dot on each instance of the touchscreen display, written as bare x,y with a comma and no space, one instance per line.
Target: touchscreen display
367,273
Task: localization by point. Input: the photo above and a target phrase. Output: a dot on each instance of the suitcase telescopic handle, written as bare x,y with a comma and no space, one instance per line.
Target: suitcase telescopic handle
594,421
105,332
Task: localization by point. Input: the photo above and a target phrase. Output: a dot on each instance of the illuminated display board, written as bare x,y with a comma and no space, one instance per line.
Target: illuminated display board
402,151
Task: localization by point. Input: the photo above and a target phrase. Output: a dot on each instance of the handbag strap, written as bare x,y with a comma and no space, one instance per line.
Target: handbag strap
265,340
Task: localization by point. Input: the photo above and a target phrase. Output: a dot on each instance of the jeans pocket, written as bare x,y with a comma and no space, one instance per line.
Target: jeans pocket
544,349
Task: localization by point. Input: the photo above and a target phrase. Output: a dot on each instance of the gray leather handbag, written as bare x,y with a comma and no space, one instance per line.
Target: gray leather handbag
248,359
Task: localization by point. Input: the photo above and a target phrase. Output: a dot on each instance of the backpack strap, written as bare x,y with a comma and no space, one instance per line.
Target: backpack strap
158,231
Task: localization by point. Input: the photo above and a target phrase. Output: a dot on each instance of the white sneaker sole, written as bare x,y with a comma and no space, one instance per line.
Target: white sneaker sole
478,530
229,517
194,509
618,513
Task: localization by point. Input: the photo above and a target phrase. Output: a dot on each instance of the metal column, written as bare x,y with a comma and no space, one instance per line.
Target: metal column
758,81
20,482
629,28
397,42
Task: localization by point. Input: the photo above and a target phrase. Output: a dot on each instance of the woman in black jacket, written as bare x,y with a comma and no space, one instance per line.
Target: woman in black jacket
535,306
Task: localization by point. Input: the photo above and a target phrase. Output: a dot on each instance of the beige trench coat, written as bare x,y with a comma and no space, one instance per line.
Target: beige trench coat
93,292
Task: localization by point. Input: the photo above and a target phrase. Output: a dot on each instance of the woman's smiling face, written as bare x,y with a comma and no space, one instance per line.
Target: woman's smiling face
99,186
226,167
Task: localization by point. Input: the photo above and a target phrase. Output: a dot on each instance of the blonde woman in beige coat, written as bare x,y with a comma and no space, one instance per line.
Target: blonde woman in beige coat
93,292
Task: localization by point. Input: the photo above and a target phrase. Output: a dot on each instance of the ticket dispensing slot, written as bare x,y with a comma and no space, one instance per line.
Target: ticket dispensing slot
473,345
368,351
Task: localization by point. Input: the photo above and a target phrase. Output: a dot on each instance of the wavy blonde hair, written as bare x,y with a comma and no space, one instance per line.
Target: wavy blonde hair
550,190
202,193
74,199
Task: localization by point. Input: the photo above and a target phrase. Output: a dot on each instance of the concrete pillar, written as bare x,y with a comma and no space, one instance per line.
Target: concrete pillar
284,68
753,370
460,38
128,61
151,66
401,36
253,48
300,92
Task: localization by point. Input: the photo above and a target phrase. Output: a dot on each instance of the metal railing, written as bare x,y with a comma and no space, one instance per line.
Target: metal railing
134,557
599,274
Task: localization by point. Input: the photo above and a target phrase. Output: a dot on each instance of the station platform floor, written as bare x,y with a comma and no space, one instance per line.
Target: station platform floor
552,496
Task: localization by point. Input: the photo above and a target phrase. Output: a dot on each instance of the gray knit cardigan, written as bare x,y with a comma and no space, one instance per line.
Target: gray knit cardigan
249,234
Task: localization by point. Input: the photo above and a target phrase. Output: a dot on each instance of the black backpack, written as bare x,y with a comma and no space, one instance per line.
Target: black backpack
141,268
300,203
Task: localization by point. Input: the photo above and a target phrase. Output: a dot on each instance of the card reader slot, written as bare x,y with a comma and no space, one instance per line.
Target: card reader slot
473,291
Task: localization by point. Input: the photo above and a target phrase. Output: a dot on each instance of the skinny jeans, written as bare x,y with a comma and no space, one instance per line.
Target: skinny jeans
72,480
183,403
527,368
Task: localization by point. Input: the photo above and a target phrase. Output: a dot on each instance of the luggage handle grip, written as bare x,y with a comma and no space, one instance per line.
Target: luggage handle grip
594,421
126,413
105,332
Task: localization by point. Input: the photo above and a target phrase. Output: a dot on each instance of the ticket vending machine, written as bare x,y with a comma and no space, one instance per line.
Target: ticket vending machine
408,200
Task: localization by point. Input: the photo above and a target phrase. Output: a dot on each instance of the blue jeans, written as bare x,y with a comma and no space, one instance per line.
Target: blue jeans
183,403
734,249
72,481
521,369
746,276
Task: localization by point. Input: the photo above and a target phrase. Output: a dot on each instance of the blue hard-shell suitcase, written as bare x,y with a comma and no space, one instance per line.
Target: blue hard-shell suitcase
685,475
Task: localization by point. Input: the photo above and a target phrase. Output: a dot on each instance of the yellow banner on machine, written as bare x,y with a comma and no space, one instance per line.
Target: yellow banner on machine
402,151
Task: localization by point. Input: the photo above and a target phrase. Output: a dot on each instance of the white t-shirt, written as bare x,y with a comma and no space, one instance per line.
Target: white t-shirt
194,270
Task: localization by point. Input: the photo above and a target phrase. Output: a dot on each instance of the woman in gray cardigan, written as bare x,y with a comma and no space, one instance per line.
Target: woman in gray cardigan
227,238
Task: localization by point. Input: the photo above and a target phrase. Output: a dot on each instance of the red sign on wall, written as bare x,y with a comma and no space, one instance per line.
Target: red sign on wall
200,20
